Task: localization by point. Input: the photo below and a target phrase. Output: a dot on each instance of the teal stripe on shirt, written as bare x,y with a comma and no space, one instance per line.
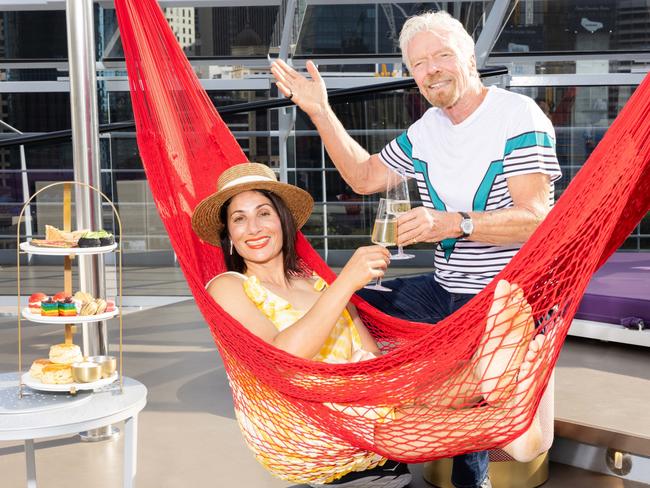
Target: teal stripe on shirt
528,139
405,145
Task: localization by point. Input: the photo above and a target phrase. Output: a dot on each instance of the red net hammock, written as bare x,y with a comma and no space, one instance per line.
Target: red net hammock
311,421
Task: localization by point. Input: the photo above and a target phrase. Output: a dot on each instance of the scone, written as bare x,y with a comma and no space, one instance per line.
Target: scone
65,354
57,374
36,371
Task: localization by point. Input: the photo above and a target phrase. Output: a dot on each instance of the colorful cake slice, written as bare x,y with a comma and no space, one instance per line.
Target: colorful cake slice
49,308
67,307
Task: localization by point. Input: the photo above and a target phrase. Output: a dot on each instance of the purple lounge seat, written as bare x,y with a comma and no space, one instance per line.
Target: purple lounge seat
619,290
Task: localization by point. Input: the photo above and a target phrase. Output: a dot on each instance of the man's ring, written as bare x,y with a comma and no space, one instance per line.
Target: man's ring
415,241
290,94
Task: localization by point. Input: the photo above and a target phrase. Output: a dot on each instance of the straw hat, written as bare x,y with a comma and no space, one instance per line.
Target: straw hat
206,220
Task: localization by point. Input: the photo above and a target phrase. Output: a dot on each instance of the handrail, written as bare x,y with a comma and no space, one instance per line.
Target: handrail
62,135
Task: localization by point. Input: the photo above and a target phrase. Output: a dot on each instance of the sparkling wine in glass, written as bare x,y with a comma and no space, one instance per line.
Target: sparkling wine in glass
384,233
397,193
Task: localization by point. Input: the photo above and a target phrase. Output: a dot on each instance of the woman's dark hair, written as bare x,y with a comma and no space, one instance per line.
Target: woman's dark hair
235,262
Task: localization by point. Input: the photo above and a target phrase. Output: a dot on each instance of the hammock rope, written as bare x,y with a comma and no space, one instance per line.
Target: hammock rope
322,415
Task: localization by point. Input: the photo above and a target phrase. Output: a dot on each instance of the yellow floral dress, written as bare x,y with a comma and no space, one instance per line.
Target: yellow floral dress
297,453
342,342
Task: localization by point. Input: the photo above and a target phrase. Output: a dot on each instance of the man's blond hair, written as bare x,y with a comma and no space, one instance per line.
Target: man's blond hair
441,24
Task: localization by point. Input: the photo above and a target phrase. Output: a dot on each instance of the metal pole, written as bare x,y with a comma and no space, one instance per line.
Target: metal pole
286,117
287,28
86,163
23,174
491,30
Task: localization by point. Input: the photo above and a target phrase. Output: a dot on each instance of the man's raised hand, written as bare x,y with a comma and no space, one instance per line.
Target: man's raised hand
308,94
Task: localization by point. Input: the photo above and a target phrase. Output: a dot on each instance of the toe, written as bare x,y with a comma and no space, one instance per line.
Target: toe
533,346
502,296
499,303
516,292
502,289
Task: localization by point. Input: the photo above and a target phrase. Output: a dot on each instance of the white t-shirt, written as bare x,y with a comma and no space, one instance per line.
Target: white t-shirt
465,167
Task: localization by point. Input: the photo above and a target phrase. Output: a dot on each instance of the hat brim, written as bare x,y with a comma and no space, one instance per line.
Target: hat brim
206,219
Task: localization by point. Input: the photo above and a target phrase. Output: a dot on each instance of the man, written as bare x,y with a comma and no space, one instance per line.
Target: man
484,161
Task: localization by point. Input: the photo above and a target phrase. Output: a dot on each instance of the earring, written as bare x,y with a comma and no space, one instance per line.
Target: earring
231,248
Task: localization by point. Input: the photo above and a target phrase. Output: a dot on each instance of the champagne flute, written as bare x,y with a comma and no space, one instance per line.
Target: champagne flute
397,193
384,233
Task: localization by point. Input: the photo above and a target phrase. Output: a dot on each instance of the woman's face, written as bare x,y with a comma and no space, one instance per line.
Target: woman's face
254,227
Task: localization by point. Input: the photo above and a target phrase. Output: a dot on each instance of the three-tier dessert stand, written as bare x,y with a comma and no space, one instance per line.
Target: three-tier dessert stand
68,254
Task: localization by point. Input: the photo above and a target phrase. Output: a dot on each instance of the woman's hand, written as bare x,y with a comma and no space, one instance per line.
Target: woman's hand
309,95
367,263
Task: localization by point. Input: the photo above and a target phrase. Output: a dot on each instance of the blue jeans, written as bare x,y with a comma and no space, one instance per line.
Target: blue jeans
422,299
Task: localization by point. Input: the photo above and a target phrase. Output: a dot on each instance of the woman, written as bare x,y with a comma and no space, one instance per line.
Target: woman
254,218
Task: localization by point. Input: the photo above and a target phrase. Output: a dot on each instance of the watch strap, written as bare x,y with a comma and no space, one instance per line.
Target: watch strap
465,216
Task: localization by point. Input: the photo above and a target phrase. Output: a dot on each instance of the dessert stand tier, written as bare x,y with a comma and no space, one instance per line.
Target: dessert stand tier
65,251
74,319
35,384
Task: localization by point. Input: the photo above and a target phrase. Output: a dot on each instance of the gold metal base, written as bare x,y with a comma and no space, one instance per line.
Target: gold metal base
505,474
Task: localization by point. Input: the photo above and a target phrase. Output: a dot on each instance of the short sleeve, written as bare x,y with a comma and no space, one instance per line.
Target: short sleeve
530,147
398,155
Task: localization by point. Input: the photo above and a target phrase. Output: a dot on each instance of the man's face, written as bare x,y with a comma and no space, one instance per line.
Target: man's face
440,73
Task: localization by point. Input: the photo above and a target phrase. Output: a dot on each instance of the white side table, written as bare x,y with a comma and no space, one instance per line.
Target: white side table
45,415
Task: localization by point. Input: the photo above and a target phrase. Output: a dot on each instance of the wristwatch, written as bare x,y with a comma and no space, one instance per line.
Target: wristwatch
466,225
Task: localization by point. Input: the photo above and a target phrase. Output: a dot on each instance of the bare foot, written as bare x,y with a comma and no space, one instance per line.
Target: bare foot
503,349
527,446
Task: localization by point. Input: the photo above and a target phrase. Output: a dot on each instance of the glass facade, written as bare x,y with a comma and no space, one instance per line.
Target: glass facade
599,36
246,31
581,26
33,35
580,60
371,28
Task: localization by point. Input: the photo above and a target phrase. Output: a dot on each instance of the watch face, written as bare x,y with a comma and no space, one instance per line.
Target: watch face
467,226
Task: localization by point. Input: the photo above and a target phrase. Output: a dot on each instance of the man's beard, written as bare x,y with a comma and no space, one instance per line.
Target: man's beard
442,98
